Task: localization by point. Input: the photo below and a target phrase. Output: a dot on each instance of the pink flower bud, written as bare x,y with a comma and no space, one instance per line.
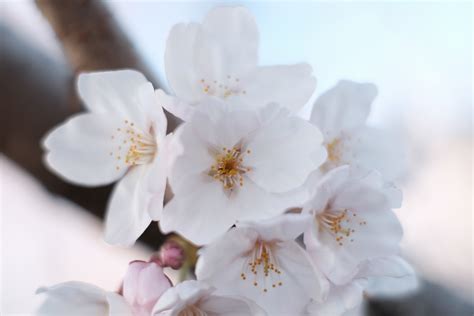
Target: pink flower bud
143,285
172,255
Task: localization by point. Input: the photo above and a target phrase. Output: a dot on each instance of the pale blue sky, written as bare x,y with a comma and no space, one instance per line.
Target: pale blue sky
419,54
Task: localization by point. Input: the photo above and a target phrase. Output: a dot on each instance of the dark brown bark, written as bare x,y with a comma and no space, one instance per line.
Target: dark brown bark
92,39
38,92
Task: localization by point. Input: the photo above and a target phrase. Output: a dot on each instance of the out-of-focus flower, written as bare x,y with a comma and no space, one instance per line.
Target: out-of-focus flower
381,276
341,114
353,222
191,298
219,58
143,285
237,165
122,136
263,262
78,299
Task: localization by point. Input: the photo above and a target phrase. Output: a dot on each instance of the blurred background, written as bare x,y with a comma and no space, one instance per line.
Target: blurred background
419,54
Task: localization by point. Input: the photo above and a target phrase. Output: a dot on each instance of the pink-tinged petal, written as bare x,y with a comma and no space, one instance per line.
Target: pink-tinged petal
290,86
143,285
343,108
127,213
83,149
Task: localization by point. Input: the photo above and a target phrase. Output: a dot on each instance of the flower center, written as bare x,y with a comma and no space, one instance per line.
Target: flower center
261,266
192,310
334,150
222,89
340,224
132,146
229,168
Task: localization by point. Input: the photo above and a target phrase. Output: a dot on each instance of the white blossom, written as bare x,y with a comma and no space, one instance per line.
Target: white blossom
219,58
352,222
263,262
195,298
238,165
122,136
341,114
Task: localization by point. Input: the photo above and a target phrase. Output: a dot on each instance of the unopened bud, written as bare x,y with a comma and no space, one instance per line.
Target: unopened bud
172,255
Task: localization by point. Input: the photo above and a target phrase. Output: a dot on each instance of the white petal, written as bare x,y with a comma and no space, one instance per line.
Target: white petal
297,264
252,203
154,116
224,45
127,214
213,127
183,294
115,91
380,236
236,32
73,298
202,203
117,305
222,125
191,156
340,300
79,150
216,257
289,86
374,179
283,153
389,277
179,61
230,306
174,105
280,228
288,299
156,178
344,107
381,150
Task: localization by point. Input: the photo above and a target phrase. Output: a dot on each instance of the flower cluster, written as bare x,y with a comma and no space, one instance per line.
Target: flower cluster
293,216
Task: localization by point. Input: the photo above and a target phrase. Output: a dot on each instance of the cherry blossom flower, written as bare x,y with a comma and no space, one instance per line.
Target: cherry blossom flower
263,262
194,298
120,137
341,114
238,165
353,222
219,58
143,285
387,276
